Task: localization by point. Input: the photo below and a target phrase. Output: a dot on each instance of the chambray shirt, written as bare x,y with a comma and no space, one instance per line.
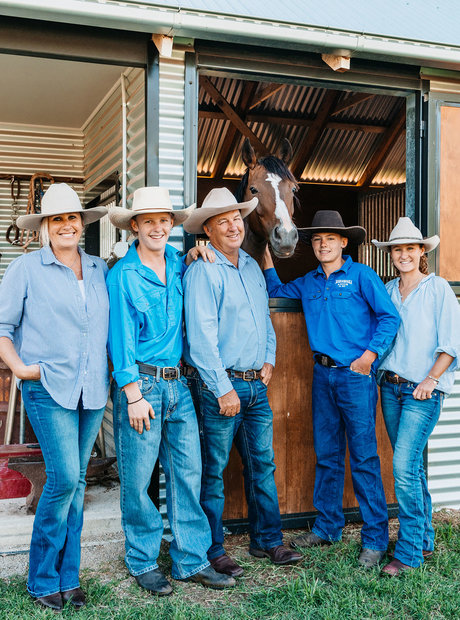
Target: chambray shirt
430,324
145,315
227,319
346,313
43,312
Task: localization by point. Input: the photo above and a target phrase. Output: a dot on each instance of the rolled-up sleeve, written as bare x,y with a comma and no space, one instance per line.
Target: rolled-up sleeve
123,336
202,324
13,292
448,322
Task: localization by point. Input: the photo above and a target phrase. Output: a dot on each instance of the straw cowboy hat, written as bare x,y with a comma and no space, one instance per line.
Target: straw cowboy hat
60,198
219,200
148,200
331,221
405,232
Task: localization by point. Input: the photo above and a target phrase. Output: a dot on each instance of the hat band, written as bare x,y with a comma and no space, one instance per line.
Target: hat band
406,237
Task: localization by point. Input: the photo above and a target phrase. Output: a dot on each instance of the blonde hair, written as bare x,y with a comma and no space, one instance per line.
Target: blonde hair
44,236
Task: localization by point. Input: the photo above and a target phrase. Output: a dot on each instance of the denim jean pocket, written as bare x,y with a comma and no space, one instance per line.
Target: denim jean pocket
358,374
146,384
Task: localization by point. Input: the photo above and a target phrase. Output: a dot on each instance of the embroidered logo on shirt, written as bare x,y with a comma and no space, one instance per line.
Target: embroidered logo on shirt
343,283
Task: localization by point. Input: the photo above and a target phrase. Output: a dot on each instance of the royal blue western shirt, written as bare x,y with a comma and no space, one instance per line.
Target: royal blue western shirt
145,315
346,313
227,318
43,312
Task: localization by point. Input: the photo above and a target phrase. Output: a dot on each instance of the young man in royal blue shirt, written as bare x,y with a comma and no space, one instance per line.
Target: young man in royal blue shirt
351,321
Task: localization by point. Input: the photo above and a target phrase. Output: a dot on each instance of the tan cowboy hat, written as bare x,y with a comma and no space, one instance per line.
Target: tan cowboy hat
148,200
60,198
219,200
405,232
331,221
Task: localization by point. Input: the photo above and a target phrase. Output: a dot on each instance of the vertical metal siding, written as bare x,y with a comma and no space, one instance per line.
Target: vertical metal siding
444,454
172,110
26,149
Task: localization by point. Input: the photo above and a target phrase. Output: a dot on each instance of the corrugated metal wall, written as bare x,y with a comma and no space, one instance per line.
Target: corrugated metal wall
171,153
25,150
378,213
444,454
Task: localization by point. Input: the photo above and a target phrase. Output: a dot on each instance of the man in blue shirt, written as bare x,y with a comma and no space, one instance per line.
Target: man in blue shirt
231,342
152,407
351,322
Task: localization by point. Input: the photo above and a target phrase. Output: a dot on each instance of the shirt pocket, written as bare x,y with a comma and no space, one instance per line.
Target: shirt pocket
102,295
313,303
152,315
341,300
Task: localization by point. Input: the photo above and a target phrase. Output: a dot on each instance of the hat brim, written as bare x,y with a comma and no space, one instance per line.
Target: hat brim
194,224
431,243
33,221
355,234
121,217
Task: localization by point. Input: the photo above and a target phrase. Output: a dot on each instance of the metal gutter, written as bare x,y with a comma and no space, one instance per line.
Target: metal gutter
179,22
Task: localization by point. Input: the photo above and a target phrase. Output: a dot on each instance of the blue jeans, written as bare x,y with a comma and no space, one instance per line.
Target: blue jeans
409,424
173,437
344,405
252,431
66,437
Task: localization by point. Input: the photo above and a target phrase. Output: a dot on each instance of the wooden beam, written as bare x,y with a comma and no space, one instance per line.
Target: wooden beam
257,117
230,139
265,93
349,102
232,116
337,63
386,143
314,132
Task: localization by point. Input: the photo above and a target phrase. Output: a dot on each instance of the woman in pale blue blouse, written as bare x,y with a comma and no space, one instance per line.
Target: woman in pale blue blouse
53,335
415,375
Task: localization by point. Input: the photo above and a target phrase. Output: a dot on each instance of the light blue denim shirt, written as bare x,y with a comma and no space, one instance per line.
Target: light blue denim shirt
146,322
227,319
430,324
43,312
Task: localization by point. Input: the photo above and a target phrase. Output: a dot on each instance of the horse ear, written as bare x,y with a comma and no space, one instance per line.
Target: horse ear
285,151
248,154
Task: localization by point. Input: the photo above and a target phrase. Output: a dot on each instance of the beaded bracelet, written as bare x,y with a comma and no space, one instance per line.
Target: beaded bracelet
135,401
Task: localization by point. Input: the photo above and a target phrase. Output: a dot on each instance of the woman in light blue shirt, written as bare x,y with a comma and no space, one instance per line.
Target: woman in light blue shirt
415,375
53,335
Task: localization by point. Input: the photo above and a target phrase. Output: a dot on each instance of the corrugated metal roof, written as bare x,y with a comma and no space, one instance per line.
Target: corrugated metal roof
434,21
341,153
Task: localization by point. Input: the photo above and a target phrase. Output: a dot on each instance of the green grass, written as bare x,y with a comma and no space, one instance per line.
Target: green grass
328,585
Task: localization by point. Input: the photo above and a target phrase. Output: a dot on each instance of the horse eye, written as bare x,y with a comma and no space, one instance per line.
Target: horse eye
294,189
253,190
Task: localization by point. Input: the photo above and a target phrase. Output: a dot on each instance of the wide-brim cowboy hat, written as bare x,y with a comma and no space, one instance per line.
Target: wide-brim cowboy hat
58,199
331,221
148,200
404,233
219,200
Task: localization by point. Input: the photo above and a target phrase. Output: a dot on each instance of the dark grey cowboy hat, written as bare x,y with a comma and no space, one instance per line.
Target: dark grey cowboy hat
331,221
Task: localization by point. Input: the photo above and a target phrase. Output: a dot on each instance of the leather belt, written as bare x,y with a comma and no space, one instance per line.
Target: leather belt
325,360
189,371
169,373
246,375
392,377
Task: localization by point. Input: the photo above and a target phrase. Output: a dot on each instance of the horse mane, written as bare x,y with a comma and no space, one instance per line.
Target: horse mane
272,164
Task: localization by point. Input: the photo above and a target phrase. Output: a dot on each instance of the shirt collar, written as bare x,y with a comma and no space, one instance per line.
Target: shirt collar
48,257
221,259
345,267
132,261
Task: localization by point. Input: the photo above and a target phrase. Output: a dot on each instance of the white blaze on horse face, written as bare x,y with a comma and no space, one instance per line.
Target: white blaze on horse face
281,210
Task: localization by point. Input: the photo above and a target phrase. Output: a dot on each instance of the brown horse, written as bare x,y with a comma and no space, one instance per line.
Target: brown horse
270,179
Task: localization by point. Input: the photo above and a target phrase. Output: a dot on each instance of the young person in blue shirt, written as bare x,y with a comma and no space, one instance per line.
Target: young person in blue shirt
414,376
153,410
351,322
54,315
231,342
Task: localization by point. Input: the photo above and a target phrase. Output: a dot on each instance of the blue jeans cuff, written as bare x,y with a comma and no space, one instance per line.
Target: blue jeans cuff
325,536
143,571
175,574
67,588
40,594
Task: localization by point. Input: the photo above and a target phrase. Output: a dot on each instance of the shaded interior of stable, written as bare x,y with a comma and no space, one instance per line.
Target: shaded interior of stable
349,153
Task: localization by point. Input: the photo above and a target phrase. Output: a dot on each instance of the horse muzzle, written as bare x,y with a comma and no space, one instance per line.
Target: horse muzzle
283,242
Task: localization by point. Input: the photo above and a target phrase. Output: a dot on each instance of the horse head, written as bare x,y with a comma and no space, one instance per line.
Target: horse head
271,181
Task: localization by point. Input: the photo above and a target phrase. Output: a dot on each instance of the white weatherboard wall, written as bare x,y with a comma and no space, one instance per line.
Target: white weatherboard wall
444,454
171,152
